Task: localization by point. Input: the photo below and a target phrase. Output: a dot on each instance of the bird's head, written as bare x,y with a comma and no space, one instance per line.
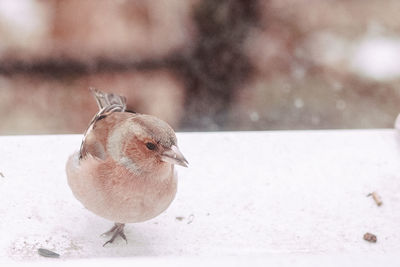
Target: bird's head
143,142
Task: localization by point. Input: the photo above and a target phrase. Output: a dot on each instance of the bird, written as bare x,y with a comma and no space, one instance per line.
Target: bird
124,170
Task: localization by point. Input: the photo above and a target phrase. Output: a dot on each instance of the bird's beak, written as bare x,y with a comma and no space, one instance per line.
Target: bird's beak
174,156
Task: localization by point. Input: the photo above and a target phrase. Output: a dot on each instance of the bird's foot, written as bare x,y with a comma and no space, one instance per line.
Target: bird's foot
116,230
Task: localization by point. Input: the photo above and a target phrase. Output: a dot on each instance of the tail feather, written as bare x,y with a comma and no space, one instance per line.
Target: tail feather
108,99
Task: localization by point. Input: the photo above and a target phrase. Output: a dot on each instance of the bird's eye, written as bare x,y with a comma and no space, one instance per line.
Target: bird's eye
150,146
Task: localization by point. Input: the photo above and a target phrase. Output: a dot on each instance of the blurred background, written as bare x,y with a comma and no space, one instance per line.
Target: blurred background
201,65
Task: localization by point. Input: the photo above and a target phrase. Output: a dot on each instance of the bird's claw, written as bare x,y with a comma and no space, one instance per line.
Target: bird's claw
116,230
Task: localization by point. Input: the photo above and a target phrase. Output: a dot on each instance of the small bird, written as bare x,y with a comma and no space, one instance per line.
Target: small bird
124,170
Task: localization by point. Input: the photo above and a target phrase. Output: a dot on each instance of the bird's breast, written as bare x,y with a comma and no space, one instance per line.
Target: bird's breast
115,193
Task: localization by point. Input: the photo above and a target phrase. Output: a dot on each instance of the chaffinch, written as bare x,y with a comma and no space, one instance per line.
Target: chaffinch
124,170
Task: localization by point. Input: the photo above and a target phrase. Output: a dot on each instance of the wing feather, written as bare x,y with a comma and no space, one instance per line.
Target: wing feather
108,103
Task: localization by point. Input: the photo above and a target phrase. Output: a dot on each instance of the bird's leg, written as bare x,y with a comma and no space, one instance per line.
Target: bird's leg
111,230
117,230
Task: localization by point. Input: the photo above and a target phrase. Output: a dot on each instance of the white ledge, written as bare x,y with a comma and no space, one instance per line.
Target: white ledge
259,195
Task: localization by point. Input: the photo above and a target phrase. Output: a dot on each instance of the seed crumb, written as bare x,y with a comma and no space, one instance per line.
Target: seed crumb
48,253
376,198
370,237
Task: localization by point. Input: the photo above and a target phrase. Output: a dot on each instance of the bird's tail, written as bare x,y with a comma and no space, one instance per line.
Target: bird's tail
105,100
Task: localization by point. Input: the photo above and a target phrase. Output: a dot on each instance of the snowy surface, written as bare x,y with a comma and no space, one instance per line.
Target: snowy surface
264,197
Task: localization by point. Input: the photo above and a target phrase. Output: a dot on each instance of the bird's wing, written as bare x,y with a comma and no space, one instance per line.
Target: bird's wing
108,103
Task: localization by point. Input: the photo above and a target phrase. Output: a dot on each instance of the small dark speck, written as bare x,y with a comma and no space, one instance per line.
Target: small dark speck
179,218
1,174
47,253
190,219
29,217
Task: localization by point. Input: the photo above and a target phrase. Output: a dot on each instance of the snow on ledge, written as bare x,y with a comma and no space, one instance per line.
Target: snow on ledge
267,196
